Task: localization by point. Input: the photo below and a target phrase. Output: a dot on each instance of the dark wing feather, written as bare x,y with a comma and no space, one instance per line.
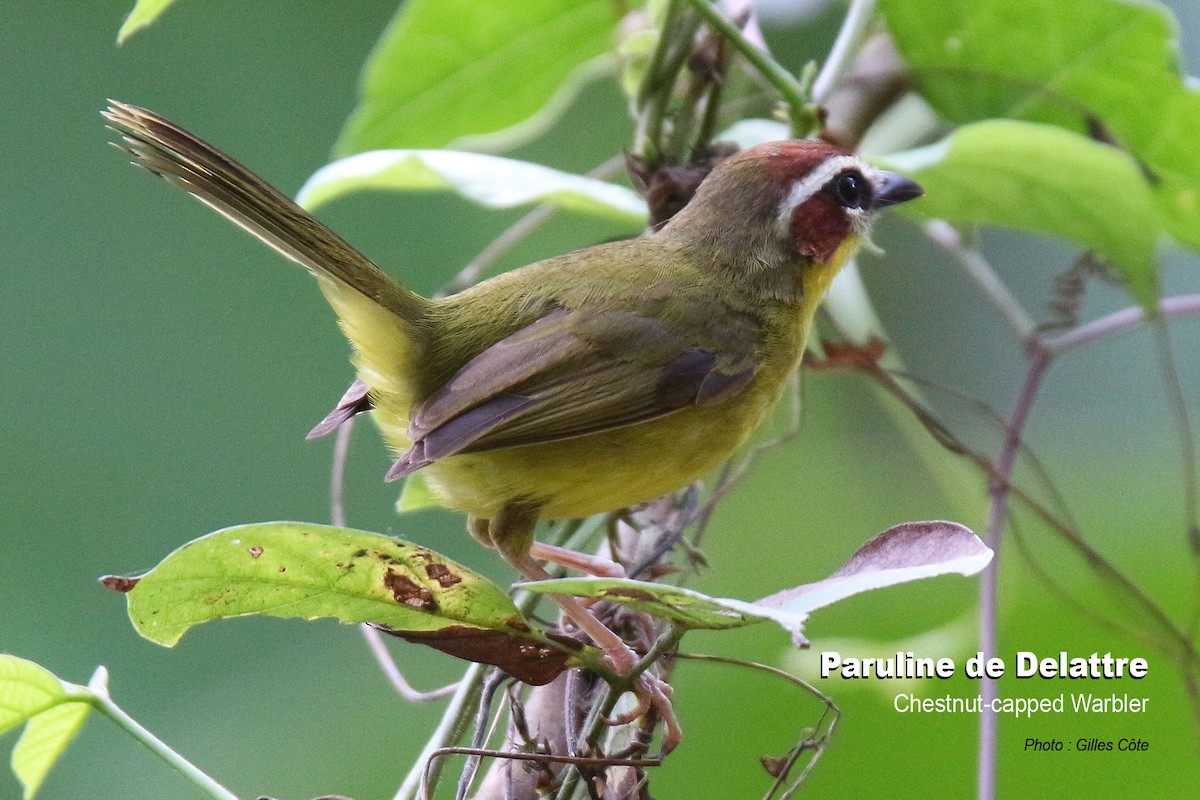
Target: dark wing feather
569,374
356,400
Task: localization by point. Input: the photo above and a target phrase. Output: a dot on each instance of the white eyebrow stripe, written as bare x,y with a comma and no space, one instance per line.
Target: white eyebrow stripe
804,189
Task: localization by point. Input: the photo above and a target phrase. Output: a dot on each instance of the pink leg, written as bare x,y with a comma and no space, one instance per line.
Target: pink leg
511,532
650,690
580,562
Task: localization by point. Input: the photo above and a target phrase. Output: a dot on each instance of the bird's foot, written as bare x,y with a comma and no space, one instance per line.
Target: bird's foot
652,692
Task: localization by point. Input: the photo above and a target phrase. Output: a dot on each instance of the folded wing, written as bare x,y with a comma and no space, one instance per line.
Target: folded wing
570,374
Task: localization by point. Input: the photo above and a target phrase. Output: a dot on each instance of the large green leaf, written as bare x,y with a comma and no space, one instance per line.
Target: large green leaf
1070,63
489,180
295,569
1044,178
446,69
306,571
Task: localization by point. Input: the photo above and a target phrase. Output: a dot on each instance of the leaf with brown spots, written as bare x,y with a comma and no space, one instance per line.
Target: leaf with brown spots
118,583
294,569
535,663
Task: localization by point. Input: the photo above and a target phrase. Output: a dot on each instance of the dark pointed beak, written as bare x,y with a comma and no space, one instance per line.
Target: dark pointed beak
896,189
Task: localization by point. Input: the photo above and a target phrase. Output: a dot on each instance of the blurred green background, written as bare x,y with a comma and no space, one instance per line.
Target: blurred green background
161,369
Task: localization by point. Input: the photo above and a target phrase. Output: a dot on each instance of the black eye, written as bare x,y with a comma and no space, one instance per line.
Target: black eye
850,189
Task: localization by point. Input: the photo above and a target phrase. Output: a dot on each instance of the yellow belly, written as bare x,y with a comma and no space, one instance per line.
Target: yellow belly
604,471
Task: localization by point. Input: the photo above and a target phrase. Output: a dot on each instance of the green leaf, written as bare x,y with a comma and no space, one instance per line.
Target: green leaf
144,12
54,711
489,180
1067,63
903,553
686,608
445,69
300,570
26,690
305,571
1044,178
747,133
44,740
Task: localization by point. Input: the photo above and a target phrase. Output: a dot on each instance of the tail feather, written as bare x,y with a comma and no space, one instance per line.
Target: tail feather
384,321
195,166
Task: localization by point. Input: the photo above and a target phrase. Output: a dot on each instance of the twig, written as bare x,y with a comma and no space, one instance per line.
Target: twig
1177,403
1176,643
337,514
814,743
100,699
337,477
1040,470
1093,557
494,680
794,92
592,726
654,94
450,729
844,47
547,758
989,587
650,81
710,119
1040,355
515,234
1118,321
387,664
1077,605
510,238
977,267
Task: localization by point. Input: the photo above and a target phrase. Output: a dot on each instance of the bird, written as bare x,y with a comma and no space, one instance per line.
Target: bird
588,382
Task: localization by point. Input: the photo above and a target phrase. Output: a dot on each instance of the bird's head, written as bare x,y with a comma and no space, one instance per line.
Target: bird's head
785,216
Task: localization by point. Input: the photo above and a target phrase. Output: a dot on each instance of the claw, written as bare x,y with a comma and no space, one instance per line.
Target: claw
650,692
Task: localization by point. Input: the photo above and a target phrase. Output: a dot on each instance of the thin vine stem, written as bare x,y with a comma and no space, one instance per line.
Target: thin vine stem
1177,403
1126,319
1176,641
102,702
816,742
455,721
795,93
989,586
845,47
980,271
1041,353
337,474
516,233
654,93
337,515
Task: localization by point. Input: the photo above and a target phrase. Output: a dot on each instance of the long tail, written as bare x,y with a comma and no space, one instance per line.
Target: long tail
384,321
200,169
